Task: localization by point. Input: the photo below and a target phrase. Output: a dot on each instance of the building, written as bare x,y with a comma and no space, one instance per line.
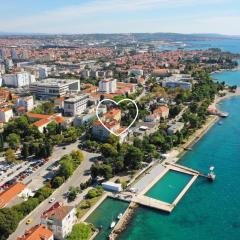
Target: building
53,88
108,85
112,114
42,120
162,111
26,102
75,105
10,193
43,72
101,133
6,114
17,80
60,220
176,127
136,72
152,118
38,232
111,186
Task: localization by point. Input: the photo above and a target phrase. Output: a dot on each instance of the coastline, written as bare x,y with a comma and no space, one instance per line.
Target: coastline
177,153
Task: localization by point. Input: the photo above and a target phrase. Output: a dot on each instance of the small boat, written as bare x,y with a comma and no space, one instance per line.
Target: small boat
211,175
113,223
223,114
120,215
220,123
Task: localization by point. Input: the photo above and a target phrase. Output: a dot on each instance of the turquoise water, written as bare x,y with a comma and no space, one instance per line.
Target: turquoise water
230,45
171,184
105,214
229,77
208,210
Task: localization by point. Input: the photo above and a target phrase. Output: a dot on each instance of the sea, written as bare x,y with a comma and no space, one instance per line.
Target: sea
209,210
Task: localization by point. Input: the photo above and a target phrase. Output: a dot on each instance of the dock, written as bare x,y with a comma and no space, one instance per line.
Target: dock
153,203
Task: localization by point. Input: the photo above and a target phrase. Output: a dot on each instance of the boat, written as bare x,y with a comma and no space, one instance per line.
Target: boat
220,123
223,114
211,175
113,223
120,215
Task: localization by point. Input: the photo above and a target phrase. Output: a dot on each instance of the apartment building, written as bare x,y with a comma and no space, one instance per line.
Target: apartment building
75,105
6,114
26,102
17,80
108,85
60,220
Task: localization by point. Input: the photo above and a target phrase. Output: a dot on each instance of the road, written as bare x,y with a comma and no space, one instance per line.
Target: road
78,177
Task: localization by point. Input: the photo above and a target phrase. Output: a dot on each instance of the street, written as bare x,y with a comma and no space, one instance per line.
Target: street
78,177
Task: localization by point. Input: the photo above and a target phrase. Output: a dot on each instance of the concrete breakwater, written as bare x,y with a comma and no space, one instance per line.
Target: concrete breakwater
123,222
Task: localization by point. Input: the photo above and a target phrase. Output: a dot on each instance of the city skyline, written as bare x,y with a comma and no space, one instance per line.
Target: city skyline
120,16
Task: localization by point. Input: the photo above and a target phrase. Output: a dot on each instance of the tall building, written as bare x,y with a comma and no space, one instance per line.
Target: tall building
20,79
2,54
43,73
9,63
108,85
14,55
75,105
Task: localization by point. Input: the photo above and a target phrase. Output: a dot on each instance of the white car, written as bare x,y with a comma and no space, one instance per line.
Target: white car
51,200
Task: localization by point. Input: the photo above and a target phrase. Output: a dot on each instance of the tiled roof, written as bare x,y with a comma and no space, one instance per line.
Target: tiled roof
42,122
38,232
38,116
7,195
61,212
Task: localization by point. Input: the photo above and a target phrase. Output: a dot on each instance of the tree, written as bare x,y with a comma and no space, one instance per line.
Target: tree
77,157
13,140
108,150
58,181
25,150
43,193
80,231
66,168
9,219
10,156
133,158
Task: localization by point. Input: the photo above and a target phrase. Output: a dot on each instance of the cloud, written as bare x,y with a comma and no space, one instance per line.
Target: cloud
92,16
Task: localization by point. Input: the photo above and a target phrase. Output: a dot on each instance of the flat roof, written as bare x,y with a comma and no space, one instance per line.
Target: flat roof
54,82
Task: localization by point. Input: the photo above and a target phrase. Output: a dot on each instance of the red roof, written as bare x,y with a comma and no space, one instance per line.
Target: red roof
7,195
38,116
42,122
39,232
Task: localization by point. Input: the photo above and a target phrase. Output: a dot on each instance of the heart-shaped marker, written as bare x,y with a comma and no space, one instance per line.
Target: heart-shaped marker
117,103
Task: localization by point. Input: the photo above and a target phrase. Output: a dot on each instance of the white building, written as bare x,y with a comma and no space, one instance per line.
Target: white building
111,186
6,114
108,85
20,79
52,87
75,105
177,127
26,102
60,220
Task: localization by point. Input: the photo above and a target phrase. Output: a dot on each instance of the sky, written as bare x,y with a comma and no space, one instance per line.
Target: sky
120,16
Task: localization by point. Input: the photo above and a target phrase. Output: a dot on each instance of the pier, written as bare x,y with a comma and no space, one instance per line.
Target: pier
153,203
